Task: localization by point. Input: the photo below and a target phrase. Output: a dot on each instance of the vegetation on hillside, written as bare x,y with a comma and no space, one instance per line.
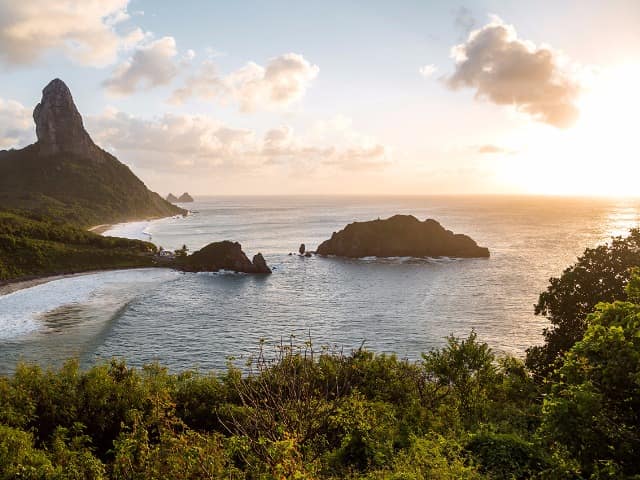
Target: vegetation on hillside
32,246
77,190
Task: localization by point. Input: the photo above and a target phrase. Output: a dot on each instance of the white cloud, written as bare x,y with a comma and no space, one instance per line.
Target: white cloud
283,81
151,65
86,31
16,125
428,70
175,142
490,149
510,71
169,140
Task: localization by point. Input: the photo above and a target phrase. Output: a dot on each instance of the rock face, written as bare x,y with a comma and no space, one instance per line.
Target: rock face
172,198
400,236
224,255
260,264
185,198
59,126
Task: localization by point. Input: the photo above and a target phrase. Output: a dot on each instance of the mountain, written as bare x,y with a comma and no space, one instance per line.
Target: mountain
185,198
66,176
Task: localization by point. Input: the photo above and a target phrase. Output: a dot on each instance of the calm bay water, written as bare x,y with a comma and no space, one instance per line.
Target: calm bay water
401,305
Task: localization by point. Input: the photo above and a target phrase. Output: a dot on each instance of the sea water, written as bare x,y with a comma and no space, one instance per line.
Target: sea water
397,305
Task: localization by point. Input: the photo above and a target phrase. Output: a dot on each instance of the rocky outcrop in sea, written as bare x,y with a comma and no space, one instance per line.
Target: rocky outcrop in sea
400,236
225,255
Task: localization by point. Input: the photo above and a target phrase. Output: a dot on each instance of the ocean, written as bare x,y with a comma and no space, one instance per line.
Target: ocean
396,305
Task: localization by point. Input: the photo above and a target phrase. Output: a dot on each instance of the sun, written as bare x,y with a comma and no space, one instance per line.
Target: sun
600,154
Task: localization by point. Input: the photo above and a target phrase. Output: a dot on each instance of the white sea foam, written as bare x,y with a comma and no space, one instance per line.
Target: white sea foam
20,311
133,230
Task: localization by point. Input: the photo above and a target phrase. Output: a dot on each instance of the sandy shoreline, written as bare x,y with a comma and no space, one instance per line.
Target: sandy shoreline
14,286
100,229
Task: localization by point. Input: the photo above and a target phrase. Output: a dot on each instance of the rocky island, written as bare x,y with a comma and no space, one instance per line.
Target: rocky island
184,198
225,255
400,236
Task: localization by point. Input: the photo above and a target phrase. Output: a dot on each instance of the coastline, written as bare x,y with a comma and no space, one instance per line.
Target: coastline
134,229
100,229
15,285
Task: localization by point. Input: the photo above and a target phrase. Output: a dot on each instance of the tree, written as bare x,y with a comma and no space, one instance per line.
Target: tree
599,275
182,252
594,408
465,372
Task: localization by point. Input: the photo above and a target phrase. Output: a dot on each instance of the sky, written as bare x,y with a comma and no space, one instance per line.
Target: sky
360,97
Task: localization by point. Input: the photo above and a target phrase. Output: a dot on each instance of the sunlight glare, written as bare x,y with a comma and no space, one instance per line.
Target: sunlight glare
600,154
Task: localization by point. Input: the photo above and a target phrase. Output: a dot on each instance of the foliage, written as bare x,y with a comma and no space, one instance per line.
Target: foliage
30,246
507,456
464,373
77,190
298,413
594,408
599,275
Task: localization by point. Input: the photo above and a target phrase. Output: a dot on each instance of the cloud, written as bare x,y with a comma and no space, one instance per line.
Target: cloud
282,82
170,140
174,142
509,71
151,65
83,30
489,149
428,70
361,157
16,125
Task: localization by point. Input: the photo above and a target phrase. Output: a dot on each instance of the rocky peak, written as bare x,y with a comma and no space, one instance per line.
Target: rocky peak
59,126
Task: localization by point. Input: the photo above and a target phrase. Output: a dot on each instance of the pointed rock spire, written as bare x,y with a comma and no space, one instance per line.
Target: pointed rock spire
59,126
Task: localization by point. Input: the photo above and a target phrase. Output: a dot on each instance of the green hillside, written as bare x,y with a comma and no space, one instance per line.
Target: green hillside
83,191
34,247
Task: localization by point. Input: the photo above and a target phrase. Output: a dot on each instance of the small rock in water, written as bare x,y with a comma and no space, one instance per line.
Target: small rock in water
260,264
302,249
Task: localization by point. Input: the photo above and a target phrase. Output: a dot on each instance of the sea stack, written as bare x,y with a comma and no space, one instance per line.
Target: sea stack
185,198
400,236
59,126
172,198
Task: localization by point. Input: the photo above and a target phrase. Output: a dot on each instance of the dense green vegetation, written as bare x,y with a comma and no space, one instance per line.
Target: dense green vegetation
31,246
599,275
78,190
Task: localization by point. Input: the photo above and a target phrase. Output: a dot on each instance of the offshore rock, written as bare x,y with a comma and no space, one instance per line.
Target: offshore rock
172,198
225,255
260,264
185,198
59,126
400,236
